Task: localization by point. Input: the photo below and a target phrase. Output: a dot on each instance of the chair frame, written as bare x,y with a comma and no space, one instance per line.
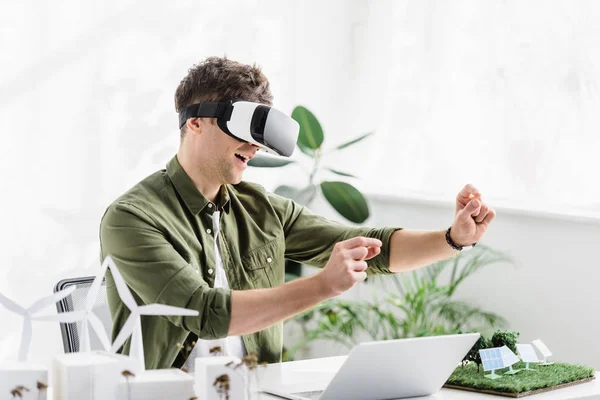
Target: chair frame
69,333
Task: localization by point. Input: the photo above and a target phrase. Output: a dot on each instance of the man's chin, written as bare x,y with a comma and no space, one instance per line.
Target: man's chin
235,180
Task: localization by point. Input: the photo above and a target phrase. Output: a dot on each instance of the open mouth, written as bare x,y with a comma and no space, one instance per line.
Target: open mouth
241,157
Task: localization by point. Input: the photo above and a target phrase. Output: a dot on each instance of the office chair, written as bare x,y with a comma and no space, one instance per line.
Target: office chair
75,302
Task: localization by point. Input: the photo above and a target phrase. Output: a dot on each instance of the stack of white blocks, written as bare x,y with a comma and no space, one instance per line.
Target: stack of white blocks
157,384
91,375
98,375
24,374
208,369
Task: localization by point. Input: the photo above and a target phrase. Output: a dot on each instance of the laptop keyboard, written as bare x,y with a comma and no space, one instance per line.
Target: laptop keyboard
314,395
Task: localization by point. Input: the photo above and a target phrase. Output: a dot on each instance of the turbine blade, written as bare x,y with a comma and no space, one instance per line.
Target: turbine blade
125,332
98,327
67,318
11,305
92,294
122,288
46,301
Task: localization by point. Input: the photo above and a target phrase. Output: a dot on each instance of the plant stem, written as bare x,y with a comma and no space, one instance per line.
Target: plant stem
316,163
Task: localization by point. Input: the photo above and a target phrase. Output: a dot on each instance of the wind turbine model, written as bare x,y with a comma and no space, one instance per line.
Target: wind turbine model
133,325
29,315
87,316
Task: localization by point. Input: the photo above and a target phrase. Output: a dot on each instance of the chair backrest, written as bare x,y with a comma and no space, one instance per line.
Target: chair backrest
76,302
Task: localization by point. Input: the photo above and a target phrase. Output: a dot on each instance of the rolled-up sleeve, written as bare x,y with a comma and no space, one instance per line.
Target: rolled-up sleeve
310,238
157,273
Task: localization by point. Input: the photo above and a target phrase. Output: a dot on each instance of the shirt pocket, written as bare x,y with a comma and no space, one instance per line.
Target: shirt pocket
265,265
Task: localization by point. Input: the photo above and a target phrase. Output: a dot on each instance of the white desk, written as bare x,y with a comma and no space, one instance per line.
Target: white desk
320,371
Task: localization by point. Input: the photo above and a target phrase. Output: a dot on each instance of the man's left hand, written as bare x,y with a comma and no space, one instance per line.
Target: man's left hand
471,218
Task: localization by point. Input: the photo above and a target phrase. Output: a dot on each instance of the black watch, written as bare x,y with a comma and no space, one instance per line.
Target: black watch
454,245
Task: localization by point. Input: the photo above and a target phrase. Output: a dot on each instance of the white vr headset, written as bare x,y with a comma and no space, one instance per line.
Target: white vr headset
255,123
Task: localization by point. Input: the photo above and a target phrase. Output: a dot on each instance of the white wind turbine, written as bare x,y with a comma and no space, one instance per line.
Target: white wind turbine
133,325
87,316
29,315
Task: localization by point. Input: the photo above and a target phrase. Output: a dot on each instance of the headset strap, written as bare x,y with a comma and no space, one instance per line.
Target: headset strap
206,109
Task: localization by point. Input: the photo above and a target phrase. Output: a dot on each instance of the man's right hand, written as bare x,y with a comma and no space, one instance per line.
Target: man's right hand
256,309
348,263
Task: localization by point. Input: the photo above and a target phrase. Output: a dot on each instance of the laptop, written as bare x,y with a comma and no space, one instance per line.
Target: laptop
391,369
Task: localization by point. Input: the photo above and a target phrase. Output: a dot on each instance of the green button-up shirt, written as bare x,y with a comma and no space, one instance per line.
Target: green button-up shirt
158,234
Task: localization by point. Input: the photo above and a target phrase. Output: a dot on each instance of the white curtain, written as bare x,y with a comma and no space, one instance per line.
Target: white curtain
502,94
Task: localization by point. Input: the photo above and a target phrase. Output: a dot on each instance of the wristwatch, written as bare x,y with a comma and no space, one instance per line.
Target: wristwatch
454,245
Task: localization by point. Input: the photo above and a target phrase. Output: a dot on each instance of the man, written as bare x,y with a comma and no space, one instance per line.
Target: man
196,236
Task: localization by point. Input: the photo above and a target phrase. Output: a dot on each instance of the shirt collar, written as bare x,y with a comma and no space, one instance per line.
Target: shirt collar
193,199
223,199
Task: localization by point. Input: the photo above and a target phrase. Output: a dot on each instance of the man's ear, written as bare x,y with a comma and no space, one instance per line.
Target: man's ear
194,125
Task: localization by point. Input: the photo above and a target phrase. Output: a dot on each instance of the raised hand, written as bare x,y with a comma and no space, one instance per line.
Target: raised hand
471,217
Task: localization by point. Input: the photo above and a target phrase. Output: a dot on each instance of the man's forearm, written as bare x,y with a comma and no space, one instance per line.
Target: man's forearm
257,309
411,249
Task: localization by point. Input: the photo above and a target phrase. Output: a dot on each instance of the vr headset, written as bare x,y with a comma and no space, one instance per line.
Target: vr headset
255,123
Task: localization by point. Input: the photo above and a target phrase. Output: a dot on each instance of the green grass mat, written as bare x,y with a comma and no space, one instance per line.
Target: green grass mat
541,377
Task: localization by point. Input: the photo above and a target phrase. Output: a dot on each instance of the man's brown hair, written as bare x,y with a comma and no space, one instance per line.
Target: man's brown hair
221,79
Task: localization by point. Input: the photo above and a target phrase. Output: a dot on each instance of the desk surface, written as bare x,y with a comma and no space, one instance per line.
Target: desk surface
319,372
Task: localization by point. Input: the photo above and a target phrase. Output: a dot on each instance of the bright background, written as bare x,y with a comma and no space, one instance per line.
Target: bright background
502,94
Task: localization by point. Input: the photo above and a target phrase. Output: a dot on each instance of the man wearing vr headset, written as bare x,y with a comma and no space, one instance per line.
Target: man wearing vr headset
195,235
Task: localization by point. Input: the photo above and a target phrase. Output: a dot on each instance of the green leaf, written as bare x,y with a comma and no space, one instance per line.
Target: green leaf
346,200
286,191
306,150
301,196
350,143
333,317
269,162
306,195
310,137
341,173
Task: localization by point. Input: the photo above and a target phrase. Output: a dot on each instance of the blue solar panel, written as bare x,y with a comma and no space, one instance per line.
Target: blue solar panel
491,359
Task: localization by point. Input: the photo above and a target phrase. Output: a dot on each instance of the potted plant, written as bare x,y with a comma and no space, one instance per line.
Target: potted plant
419,303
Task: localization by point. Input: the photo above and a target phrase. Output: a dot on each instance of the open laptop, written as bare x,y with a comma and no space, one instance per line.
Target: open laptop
391,369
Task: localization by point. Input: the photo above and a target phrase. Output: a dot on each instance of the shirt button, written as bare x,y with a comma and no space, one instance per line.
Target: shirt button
208,231
210,271
269,259
209,205
197,271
